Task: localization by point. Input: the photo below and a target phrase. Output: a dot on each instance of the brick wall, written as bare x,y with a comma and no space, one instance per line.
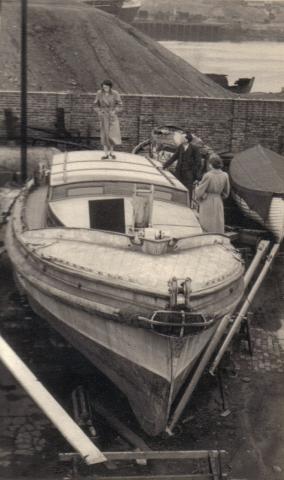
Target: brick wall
224,124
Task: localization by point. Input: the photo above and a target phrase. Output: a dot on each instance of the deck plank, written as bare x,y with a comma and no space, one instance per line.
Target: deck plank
36,208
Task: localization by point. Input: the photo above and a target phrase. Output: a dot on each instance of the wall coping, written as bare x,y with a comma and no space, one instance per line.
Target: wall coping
138,95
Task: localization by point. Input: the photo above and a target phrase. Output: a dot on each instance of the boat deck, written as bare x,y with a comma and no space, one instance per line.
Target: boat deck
209,264
36,208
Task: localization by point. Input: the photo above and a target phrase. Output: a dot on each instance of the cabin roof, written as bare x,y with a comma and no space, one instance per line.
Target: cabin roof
82,166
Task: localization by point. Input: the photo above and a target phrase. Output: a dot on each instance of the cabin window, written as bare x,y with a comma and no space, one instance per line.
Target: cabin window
163,196
58,193
118,188
180,197
107,215
85,191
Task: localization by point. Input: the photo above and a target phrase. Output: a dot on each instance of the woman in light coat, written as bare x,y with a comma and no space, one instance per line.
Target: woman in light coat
213,188
107,104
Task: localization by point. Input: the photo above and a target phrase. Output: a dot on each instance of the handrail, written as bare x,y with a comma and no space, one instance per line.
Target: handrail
151,320
162,172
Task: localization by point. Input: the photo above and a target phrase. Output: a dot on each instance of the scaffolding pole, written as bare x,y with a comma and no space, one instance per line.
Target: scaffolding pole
198,372
247,303
260,252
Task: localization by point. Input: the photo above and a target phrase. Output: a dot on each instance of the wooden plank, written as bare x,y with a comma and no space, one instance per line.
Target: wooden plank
156,455
125,432
188,476
214,468
163,455
35,208
47,403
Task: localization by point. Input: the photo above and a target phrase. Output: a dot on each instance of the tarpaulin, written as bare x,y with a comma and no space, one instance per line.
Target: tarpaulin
256,175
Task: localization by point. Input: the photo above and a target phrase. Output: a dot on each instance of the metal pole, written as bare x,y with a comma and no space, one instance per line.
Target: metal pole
47,403
198,372
24,91
244,308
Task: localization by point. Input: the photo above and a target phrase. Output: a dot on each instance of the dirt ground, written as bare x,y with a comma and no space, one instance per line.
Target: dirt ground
250,426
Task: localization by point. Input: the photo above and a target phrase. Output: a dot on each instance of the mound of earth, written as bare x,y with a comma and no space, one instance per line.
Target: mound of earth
73,46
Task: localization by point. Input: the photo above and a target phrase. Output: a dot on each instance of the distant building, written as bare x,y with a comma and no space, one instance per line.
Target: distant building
260,3
257,3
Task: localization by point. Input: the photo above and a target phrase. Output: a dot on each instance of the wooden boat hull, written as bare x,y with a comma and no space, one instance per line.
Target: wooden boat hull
149,377
275,219
147,365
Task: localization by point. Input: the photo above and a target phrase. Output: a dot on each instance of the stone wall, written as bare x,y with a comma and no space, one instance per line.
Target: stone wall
224,124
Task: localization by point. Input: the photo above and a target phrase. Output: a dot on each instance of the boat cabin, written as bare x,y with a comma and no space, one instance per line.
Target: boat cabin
122,195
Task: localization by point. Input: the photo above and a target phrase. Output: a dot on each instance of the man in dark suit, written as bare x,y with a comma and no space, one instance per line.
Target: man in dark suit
189,163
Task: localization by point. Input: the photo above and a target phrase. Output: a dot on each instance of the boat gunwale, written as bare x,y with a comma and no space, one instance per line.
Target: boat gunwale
114,314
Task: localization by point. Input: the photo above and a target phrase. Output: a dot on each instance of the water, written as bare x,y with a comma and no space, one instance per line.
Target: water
262,60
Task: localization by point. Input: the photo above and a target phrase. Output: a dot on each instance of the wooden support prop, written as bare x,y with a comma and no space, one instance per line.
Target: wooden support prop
198,372
119,427
260,252
247,303
46,402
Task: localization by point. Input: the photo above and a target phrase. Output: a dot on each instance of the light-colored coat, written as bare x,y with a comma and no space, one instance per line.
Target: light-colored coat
211,191
107,105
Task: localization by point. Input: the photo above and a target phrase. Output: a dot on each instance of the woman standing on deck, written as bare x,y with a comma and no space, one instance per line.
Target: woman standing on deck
107,104
211,191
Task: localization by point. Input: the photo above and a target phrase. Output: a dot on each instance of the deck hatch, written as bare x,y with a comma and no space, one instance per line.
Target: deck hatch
107,214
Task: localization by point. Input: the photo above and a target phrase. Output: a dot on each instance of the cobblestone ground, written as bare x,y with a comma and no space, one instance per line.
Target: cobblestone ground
267,331
26,434
268,352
